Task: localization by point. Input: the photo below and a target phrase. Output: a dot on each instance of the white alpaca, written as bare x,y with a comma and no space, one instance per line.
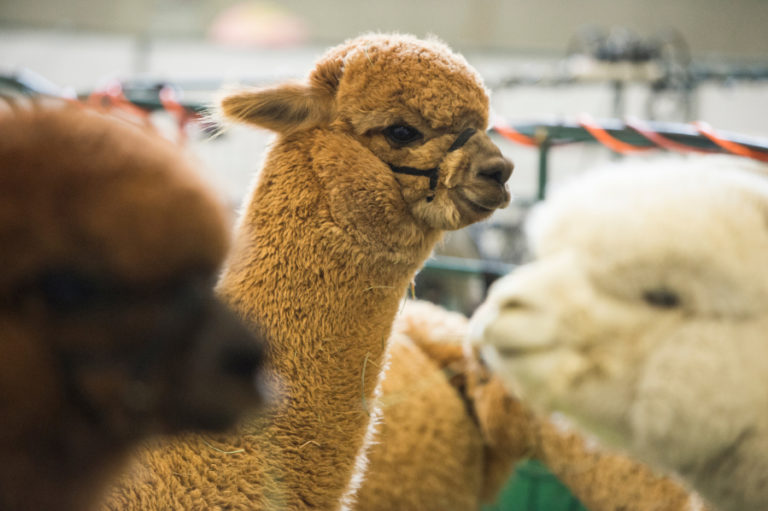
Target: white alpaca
644,317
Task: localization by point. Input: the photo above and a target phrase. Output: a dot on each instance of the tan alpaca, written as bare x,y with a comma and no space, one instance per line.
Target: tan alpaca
107,247
380,151
451,434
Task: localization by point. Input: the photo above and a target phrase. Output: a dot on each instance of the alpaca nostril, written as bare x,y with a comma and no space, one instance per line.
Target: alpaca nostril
497,170
241,361
496,176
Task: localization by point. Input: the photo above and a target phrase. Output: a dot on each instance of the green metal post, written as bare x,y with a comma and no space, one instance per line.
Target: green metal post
543,170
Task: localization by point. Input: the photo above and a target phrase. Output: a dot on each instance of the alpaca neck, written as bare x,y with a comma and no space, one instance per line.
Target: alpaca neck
326,305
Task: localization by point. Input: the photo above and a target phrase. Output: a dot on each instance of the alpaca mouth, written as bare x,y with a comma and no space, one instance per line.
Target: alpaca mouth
485,202
471,206
479,207
518,352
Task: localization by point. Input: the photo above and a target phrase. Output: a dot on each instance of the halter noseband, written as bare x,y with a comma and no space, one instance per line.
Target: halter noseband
462,139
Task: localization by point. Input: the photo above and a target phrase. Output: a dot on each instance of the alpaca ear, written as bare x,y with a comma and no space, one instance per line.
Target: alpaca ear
284,109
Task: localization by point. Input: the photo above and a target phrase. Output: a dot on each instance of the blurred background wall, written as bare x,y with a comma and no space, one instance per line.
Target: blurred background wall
735,28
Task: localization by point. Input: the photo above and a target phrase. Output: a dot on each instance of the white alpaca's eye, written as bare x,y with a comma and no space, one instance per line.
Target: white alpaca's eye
402,133
661,298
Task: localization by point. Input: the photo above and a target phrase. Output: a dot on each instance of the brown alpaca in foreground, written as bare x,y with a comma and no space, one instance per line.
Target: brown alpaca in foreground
451,434
382,150
109,329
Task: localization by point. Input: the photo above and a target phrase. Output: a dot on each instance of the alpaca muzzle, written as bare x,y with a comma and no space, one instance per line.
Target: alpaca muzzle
223,374
190,363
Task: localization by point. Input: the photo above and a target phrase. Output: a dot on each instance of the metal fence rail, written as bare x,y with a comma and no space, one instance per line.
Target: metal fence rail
628,136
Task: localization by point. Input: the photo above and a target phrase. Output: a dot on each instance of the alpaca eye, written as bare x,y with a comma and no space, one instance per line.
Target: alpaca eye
402,133
661,298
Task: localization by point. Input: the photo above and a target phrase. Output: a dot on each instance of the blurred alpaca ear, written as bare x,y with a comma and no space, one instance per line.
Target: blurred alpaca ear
284,109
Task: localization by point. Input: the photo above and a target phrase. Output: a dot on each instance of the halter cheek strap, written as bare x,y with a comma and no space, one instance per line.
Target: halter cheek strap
462,139
430,173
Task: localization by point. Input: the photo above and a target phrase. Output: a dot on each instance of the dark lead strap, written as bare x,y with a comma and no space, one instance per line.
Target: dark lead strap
462,139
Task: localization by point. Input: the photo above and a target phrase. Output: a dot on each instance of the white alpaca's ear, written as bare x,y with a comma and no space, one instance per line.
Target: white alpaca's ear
284,109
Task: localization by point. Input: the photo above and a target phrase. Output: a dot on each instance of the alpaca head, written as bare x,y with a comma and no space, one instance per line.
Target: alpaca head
643,313
412,117
110,331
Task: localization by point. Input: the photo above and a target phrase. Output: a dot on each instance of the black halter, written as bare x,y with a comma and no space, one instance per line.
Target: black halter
462,139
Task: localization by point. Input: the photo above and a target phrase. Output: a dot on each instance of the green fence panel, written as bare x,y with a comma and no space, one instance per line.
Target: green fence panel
533,488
